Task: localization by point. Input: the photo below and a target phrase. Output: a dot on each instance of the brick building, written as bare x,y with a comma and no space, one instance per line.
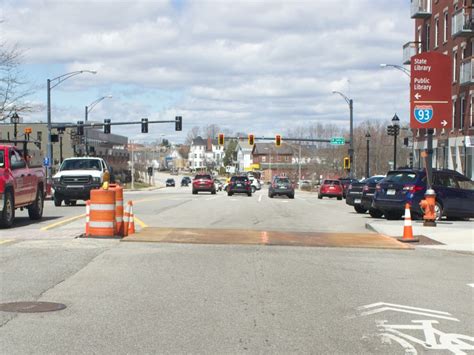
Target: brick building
272,160
447,26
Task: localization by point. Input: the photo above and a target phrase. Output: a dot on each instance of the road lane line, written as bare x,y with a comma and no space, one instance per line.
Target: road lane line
64,221
260,198
140,222
472,285
6,241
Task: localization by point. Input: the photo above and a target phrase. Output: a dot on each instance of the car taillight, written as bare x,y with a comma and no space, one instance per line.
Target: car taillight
365,188
412,188
350,186
247,182
378,187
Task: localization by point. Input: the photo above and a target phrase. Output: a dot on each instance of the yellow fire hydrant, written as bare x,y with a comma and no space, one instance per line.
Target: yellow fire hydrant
428,207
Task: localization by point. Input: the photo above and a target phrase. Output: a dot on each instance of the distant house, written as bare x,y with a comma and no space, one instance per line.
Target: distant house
214,156
197,152
273,160
244,156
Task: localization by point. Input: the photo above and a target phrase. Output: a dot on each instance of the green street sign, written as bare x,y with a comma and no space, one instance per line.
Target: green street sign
338,140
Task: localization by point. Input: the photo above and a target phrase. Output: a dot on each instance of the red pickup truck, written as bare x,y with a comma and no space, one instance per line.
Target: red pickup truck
21,185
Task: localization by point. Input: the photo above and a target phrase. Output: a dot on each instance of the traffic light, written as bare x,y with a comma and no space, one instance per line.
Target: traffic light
396,130
411,160
347,163
144,125
80,128
390,130
278,140
178,123
107,125
251,139
221,139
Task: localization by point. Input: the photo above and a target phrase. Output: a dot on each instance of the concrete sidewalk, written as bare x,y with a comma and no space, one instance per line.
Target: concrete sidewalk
455,235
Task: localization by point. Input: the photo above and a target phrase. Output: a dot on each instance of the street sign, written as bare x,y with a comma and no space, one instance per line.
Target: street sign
46,161
338,140
430,91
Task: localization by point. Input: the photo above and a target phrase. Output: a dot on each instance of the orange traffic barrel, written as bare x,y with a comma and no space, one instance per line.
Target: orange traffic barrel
102,213
118,209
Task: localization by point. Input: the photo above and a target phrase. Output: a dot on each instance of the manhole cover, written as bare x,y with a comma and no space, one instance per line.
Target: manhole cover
31,307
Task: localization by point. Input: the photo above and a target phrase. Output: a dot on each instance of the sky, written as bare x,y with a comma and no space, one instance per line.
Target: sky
261,67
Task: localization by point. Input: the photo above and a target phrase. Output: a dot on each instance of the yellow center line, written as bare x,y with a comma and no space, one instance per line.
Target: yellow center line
4,241
140,222
62,222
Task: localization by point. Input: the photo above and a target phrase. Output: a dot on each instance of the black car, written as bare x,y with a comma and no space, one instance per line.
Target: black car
368,192
239,184
185,181
345,182
281,185
454,193
170,182
356,190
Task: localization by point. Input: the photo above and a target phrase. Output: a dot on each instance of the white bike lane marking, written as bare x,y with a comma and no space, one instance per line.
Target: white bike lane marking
405,334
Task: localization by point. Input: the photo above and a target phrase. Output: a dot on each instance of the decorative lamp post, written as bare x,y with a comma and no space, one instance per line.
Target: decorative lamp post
367,168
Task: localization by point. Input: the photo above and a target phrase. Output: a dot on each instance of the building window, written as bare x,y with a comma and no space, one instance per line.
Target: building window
427,36
264,159
462,112
470,112
436,34
446,28
454,115
420,47
455,63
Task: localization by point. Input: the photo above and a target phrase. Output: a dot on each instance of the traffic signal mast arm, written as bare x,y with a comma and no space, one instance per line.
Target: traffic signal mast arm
99,125
286,139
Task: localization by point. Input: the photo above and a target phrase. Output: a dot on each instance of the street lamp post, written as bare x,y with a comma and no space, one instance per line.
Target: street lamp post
398,67
58,80
351,132
367,167
88,109
393,130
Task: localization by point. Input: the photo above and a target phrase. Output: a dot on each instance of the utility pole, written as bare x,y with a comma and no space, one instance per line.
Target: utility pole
299,163
367,168
133,167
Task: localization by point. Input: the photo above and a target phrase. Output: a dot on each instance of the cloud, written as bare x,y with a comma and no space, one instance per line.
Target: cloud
256,65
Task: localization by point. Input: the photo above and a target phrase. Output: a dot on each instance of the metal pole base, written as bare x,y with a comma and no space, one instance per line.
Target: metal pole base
428,223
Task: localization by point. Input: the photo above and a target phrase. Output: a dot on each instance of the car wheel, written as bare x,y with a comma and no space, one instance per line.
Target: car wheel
360,209
375,213
213,192
438,211
339,198
35,210
229,193
270,195
393,215
57,201
291,196
8,213
249,194
320,197
254,189
195,192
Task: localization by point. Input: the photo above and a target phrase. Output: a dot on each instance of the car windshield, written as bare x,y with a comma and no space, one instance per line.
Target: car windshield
203,177
401,177
373,179
239,178
282,180
80,164
331,182
2,158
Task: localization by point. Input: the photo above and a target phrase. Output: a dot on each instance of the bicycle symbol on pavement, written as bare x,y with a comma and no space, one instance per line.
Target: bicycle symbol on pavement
405,334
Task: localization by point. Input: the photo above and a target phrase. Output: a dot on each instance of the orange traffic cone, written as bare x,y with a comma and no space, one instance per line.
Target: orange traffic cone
88,211
131,223
407,228
126,218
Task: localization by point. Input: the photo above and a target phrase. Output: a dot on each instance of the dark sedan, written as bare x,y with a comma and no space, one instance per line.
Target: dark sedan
355,192
170,183
239,184
281,185
345,182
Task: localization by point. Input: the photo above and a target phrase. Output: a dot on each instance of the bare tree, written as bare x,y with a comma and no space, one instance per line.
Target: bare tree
13,89
211,131
193,133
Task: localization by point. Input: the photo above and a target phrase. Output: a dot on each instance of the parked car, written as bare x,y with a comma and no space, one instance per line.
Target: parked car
367,198
356,190
345,182
218,184
22,185
203,182
454,193
239,184
331,188
281,185
170,182
304,185
255,183
185,181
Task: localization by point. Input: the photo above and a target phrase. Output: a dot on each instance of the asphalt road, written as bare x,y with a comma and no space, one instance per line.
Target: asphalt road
190,298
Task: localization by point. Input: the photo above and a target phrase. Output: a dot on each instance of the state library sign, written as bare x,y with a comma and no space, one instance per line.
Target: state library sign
430,91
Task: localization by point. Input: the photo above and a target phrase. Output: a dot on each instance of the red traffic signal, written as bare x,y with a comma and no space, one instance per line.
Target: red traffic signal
278,140
221,139
251,139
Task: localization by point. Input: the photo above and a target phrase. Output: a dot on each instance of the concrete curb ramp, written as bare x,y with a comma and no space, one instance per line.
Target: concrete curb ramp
252,237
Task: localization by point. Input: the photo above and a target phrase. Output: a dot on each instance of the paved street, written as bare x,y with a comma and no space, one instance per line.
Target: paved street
205,298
